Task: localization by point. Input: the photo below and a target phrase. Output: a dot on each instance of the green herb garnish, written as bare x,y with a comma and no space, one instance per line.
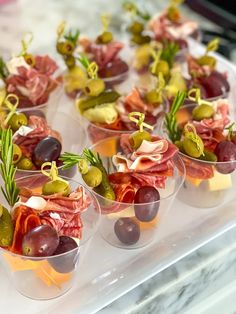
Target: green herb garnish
169,52
3,69
70,160
7,169
170,123
72,36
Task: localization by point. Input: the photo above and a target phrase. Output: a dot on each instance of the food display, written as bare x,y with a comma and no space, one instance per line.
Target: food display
32,78
135,178
205,137
205,75
47,221
35,141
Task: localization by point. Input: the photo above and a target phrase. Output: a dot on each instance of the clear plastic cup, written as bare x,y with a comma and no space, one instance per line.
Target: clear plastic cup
207,184
49,277
112,211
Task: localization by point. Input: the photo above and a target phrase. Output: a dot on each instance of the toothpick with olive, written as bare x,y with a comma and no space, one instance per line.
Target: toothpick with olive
106,37
94,86
173,12
192,143
92,170
67,43
56,185
137,26
210,61
204,110
155,96
139,136
25,43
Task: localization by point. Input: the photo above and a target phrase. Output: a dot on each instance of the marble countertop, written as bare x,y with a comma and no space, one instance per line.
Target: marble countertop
207,274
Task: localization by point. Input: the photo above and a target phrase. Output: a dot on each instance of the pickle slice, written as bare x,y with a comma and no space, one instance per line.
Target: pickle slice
105,97
6,227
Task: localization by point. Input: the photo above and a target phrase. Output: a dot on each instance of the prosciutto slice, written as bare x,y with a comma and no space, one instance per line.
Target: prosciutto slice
33,84
145,157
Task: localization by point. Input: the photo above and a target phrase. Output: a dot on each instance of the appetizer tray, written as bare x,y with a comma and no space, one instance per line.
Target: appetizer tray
107,272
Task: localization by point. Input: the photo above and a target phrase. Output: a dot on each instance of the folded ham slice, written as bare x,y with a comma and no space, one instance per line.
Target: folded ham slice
145,157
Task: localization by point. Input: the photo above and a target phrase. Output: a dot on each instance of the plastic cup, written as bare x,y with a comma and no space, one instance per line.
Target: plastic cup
49,277
112,211
207,184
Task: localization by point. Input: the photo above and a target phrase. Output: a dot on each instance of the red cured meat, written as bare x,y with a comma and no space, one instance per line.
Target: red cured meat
197,170
45,65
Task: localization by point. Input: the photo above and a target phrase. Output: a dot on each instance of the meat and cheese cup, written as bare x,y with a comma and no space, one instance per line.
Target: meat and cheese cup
77,216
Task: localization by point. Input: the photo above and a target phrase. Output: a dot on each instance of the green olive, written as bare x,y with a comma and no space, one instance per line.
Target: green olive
140,39
104,38
162,66
83,166
153,97
30,59
208,156
94,87
17,153
66,47
93,177
17,120
207,60
191,148
138,137
70,61
203,111
173,14
56,187
25,164
136,27
6,227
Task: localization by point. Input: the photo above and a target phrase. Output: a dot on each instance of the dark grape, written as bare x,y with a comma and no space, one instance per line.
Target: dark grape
48,149
40,241
127,230
66,262
226,152
113,68
149,195
215,84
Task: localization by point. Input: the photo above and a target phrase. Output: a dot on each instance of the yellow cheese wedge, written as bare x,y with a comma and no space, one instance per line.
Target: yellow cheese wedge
220,182
19,264
127,212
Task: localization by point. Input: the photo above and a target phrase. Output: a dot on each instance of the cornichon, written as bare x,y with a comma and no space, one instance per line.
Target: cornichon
104,188
6,227
105,97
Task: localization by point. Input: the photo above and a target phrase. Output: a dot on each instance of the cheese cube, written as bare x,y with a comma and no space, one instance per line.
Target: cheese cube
219,182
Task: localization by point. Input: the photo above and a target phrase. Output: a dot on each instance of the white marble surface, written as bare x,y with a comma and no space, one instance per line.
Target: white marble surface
184,287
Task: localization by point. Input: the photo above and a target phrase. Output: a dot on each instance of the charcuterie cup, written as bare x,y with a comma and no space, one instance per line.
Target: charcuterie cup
207,183
54,127
51,276
125,216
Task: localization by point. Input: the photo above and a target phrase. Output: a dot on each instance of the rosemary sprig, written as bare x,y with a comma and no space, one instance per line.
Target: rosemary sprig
69,160
3,69
170,123
84,61
7,169
169,51
92,157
